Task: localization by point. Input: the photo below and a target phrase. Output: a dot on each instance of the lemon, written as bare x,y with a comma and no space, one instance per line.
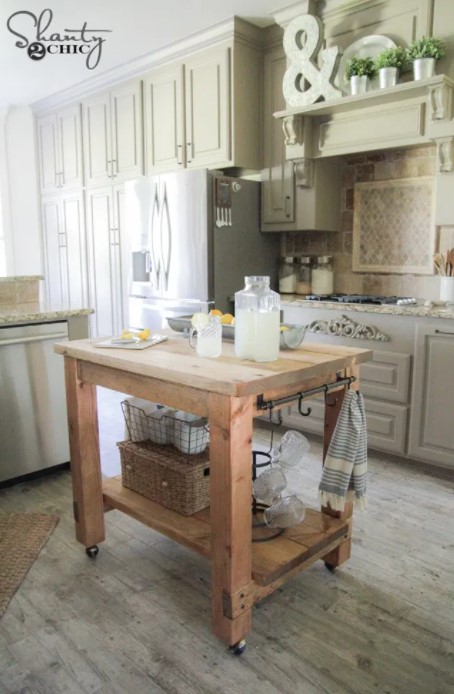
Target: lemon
215,312
199,319
144,334
126,335
283,328
226,319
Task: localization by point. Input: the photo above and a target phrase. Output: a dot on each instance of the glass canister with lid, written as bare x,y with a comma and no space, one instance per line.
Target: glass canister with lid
303,275
257,320
287,275
322,275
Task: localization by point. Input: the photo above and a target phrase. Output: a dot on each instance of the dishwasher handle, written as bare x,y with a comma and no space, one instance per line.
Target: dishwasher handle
33,338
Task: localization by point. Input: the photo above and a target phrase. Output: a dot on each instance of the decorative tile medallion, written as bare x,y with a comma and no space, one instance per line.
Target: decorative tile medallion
393,227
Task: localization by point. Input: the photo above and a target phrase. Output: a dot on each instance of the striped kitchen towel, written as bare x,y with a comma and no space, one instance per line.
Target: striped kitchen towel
346,461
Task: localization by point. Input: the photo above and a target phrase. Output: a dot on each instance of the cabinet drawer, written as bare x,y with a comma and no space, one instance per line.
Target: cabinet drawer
386,426
386,376
386,422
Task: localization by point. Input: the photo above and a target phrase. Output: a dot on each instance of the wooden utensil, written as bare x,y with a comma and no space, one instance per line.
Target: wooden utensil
439,263
450,262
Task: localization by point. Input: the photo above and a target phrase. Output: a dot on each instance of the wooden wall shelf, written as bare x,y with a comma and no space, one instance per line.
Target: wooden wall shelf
411,113
376,97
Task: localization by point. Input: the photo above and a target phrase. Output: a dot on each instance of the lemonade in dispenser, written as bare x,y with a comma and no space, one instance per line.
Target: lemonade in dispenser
257,320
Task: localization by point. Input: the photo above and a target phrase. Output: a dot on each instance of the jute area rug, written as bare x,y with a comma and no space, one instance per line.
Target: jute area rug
22,536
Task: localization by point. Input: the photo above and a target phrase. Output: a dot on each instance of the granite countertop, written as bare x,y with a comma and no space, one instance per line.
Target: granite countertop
38,313
21,278
420,310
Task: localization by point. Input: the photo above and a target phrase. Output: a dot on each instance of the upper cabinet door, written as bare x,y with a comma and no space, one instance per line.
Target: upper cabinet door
70,147
48,148
60,150
97,139
278,199
127,139
207,105
164,119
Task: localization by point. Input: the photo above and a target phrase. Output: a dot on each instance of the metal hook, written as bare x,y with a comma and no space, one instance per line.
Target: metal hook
276,422
327,402
308,411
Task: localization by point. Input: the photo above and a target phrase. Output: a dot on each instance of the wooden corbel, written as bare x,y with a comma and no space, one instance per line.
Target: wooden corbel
293,130
445,152
440,99
304,172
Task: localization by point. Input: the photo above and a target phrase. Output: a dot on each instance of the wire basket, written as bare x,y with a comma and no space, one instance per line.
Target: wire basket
188,433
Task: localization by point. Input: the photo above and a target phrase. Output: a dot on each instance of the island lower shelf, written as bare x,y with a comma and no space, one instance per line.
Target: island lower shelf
273,562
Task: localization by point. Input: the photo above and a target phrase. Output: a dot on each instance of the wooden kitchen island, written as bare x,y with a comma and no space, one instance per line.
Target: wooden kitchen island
229,392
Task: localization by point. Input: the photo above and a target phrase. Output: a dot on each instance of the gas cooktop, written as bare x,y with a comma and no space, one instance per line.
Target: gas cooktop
362,299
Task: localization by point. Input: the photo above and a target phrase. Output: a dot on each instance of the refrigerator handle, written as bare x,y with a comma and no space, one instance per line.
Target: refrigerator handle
154,221
166,238
148,265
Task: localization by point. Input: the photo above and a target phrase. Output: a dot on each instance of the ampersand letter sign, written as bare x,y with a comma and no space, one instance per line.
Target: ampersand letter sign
302,40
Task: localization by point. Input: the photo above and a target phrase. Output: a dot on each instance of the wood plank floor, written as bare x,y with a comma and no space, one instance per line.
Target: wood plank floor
137,619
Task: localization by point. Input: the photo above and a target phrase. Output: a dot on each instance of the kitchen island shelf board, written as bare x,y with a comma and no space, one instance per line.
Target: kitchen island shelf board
225,390
270,560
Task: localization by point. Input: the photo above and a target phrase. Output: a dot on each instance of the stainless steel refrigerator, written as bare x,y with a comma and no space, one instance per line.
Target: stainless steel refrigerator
193,236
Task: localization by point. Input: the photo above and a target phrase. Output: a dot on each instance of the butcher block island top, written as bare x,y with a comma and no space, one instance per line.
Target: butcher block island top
175,362
230,392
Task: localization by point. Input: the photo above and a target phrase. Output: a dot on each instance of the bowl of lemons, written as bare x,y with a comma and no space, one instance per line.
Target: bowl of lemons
291,336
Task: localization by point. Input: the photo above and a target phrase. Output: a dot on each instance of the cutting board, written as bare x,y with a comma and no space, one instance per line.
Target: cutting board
143,344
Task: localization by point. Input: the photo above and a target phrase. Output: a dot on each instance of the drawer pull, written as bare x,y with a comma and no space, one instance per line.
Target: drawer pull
443,332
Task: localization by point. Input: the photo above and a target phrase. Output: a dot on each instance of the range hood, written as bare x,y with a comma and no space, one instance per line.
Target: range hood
412,113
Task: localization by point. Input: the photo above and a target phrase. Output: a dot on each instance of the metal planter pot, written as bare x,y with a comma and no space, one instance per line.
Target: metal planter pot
388,77
423,68
358,84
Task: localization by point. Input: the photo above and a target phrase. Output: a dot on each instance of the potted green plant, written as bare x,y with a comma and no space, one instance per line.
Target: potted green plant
389,63
359,71
423,53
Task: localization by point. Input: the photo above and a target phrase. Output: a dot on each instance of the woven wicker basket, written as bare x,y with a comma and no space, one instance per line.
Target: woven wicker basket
165,475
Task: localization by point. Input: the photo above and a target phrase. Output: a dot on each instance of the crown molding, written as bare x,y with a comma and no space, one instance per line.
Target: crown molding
285,15
234,28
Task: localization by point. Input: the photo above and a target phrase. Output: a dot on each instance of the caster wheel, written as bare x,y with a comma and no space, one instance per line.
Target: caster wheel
330,567
238,648
92,552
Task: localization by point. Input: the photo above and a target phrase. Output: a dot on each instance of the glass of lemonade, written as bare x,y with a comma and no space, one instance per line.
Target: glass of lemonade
209,337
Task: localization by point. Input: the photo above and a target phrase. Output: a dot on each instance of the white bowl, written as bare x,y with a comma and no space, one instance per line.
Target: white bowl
293,337
190,433
160,425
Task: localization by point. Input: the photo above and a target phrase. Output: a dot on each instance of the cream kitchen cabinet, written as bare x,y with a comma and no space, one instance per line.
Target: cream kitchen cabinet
65,257
107,259
278,181
112,128
385,380
60,150
432,411
202,111
294,192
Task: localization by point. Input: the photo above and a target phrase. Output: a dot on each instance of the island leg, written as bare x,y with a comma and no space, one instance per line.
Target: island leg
231,515
339,555
85,459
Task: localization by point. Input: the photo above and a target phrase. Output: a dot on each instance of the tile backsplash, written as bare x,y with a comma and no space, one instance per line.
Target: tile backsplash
372,166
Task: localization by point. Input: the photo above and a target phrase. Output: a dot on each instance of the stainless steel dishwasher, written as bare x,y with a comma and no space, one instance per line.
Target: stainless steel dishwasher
33,424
